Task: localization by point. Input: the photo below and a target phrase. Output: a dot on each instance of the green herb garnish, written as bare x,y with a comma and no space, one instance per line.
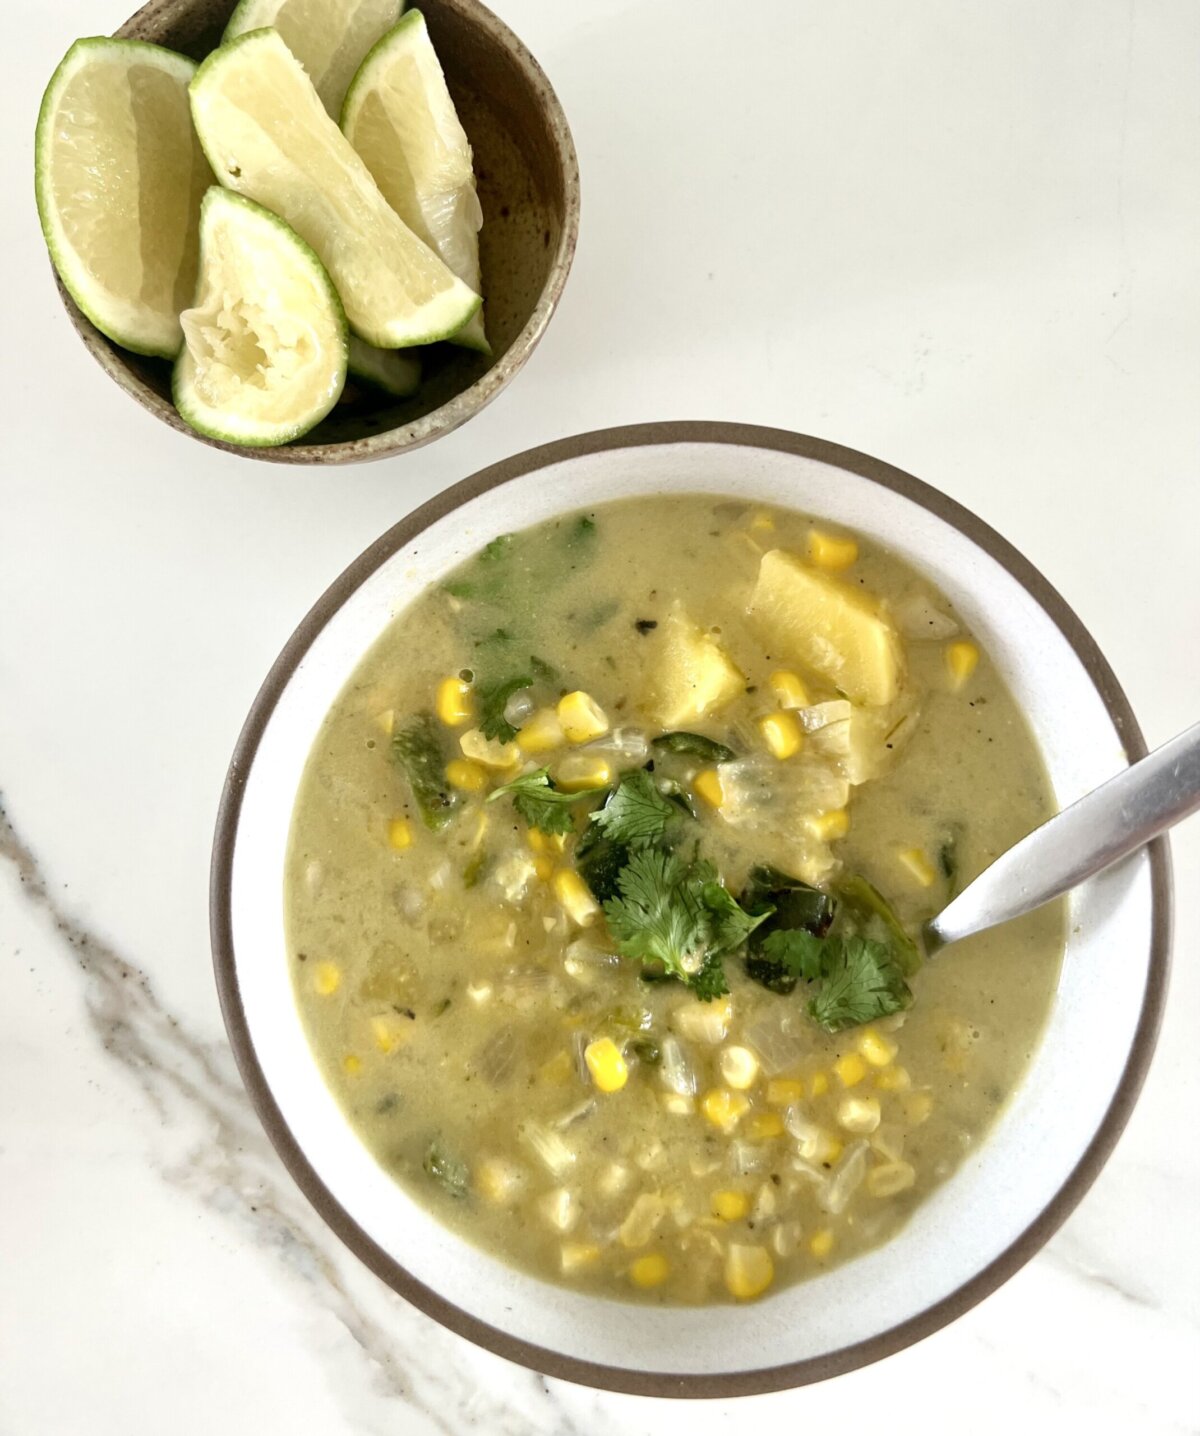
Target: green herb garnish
540,803
861,981
492,699
708,750
677,916
636,812
418,748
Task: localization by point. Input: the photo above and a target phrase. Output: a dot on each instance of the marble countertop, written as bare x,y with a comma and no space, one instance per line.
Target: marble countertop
961,238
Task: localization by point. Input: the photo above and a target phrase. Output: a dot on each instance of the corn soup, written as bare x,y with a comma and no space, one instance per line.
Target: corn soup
604,891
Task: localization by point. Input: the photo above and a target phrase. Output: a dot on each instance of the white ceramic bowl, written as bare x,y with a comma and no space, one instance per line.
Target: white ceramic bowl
1007,1197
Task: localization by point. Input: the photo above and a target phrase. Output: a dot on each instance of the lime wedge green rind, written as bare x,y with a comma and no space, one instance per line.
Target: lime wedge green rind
267,136
260,366
169,184
400,117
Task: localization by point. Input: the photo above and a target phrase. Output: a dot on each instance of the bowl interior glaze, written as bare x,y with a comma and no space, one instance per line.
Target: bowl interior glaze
528,187
1009,1194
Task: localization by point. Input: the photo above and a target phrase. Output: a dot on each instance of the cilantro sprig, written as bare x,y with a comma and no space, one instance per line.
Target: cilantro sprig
677,916
540,803
637,813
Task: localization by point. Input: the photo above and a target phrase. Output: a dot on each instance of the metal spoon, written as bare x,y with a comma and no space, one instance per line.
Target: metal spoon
1089,836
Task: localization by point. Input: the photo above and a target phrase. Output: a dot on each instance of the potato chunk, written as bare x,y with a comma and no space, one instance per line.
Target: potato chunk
693,674
827,626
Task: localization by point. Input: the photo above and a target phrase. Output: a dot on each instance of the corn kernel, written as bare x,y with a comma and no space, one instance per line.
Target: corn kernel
389,1032
821,1243
605,1063
889,1178
580,771
557,1070
351,1065
875,1047
917,1106
763,520
463,774
386,721
748,1271
453,702
577,1256
818,1084
739,1067
782,734
581,717
918,865
488,752
707,785
730,1206
499,1181
893,1079
724,1109
850,1069
326,978
764,1125
574,894
541,733
545,842
829,551
859,1115
544,868
784,1091
828,827
649,1270
961,659
789,689
678,1104
400,834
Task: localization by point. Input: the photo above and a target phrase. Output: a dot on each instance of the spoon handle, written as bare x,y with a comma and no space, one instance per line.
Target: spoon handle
1097,831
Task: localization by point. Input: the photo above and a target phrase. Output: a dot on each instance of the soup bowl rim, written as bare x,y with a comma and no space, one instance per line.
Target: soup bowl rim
384,1264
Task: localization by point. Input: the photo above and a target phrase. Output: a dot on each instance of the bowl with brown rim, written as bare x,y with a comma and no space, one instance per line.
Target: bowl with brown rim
1011,1191
528,179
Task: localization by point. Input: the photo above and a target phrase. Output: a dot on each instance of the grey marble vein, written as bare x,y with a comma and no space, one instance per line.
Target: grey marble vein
233,1170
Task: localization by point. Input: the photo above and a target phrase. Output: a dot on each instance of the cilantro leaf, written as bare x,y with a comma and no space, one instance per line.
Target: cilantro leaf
417,747
540,803
636,812
492,699
729,924
861,981
660,914
710,981
678,915
796,950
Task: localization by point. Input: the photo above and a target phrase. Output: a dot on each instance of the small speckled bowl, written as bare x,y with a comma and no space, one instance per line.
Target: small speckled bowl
528,179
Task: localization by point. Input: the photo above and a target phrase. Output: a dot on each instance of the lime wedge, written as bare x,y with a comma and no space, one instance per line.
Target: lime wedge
119,176
395,371
267,136
400,118
264,356
328,37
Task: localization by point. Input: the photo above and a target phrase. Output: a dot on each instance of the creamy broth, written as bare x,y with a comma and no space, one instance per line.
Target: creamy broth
490,1022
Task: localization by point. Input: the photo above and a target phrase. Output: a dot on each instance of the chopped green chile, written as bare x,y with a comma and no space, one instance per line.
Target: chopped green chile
695,745
650,1016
